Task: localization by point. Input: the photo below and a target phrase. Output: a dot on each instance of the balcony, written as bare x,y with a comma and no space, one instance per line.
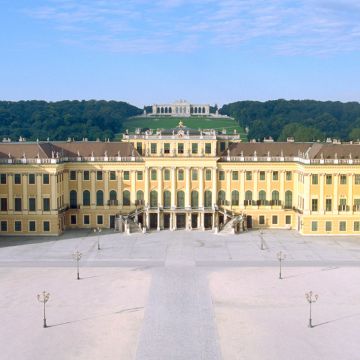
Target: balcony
356,208
113,202
344,208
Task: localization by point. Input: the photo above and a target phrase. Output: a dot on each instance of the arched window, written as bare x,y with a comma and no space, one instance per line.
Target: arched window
99,198
86,198
221,197
248,195
113,195
170,110
73,199
126,198
180,199
140,195
194,199
262,195
153,199
288,199
235,198
275,195
207,199
203,110
167,199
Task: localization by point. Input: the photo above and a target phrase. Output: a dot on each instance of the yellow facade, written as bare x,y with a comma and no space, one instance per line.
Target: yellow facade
180,178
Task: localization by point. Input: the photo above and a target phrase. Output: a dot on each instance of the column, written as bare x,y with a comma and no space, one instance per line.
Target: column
307,197
187,188
10,189
255,184
38,192
79,187
173,187
160,188
350,202
214,186
93,188
336,194
132,187
146,186
268,184
119,187
106,187
242,189
321,194
24,182
228,187
158,220
66,188
282,187
53,192
295,177
201,187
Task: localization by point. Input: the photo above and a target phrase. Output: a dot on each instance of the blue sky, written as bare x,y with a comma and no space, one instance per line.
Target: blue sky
211,51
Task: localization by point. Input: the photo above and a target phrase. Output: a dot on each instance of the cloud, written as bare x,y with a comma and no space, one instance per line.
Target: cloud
309,27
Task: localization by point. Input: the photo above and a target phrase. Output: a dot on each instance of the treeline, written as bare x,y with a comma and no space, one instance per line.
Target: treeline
305,120
59,120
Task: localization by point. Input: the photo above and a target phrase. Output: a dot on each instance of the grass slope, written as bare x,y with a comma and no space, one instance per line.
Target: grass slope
168,122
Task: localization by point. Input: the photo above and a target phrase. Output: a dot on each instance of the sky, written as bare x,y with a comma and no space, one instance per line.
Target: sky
159,51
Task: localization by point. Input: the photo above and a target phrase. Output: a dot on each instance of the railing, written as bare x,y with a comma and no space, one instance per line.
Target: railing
72,159
356,208
113,202
343,207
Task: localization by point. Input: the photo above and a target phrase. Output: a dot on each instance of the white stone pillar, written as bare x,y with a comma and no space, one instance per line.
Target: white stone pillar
255,181
106,188
24,182
119,187
93,188
242,189
336,194
321,194
282,187
38,192
146,186
66,188
350,192
214,186
201,188
53,192
79,188
173,187
132,187
228,187
268,184
307,195
187,187
160,186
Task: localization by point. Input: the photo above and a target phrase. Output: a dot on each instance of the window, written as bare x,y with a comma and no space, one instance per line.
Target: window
248,175
314,226
314,204
46,179
17,225
3,179
274,219
86,220
261,220
17,179
3,226
139,175
72,175
126,198
18,206
235,198
222,146
32,204
288,199
207,199
86,175
167,174
32,225
356,225
153,174
342,226
275,175
288,175
248,195
357,179
207,148
275,196
139,147
99,175
194,199
194,148
288,219
194,175
208,175
314,179
262,196
100,220
99,198
328,179
140,197
328,205
262,175
180,174
112,175
73,220
221,175
86,198
153,199
46,225
180,199
46,204
73,199
180,148
167,199
167,148
153,148
31,179
126,175
113,197
328,225
343,179
4,205
235,175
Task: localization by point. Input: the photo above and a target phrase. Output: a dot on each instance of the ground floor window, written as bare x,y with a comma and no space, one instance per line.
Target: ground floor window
86,220
3,226
274,219
328,226
288,219
73,219
262,220
46,225
314,226
17,225
100,219
356,225
342,226
32,225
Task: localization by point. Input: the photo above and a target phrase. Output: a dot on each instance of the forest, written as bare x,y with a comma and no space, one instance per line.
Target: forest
305,120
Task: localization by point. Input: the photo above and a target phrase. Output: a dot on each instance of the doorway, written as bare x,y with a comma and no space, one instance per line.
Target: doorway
208,221
249,222
112,221
153,221
194,221
180,221
166,221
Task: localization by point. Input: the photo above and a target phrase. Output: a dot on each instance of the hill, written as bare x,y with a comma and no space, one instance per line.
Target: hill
305,120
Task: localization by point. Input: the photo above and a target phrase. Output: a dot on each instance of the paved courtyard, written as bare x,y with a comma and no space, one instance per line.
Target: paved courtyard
180,295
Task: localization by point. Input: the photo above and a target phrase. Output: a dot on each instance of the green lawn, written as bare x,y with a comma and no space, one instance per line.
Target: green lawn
168,122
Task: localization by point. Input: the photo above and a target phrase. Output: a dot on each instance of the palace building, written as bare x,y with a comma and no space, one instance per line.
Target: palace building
179,179
181,108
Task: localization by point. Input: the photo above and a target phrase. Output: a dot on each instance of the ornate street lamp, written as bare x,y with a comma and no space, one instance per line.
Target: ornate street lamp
281,257
311,298
43,298
77,256
98,231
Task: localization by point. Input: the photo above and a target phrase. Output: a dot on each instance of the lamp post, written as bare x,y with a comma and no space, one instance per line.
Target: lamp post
43,298
77,256
262,240
281,257
98,231
311,298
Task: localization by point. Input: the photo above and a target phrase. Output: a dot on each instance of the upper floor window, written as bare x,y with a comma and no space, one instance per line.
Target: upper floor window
194,175
248,175
153,148
357,179
112,175
153,174
343,179
221,175
262,175
99,175
72,175
328,179
207,148
139,175
180,148
194,148
314,179
31,179
46,179
181,174
167,174
288,175
126,175
17,178
235,175
167,148
275,175
2,179
208,174
86,175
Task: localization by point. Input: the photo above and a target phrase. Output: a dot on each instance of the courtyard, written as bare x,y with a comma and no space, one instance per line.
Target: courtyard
180,295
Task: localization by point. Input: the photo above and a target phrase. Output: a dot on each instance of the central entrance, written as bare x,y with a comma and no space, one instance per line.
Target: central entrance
180,221
166,221
194,221
208,221
153,221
